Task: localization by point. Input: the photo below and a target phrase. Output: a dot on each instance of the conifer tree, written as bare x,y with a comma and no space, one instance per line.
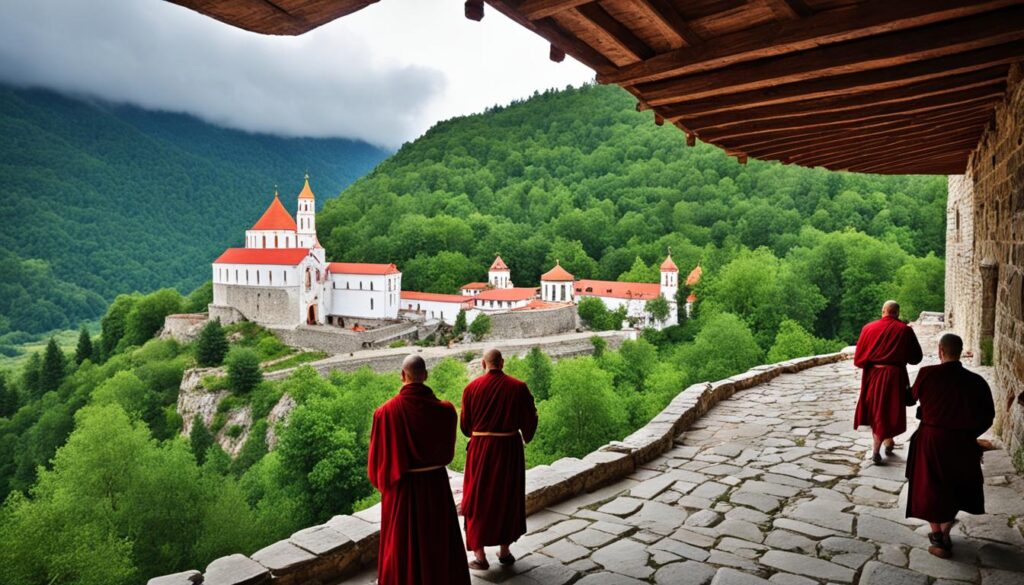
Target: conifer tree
200,439
8,398
244,372
30,375
212,345
540,372
53,369
84,350
460,322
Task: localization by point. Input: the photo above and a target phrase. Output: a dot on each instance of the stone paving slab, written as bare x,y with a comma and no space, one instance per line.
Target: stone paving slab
770,486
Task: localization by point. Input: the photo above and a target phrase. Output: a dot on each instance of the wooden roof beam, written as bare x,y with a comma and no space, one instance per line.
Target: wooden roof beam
538,9
881,147
879,52
940,152
840,103
834,26
597,19
788,9
550,31
988,94
851,84
775,146
672,26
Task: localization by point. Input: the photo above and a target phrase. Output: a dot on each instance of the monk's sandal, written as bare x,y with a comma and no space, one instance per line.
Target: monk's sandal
940,547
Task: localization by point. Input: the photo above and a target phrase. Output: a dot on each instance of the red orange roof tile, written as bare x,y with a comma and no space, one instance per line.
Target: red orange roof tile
276,217
618,290
361,268
668,265
276,256
412,295
558,274
694,276
507,294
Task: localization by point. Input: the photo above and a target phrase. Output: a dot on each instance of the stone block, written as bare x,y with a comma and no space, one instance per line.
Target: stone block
183,578
608,465
235,570
283,558
876,573
360,532
321,540
545,486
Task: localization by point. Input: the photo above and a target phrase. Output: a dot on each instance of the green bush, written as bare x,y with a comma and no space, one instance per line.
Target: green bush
212,345
244,372
234,431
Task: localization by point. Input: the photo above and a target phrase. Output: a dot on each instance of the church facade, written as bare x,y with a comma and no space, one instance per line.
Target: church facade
282,277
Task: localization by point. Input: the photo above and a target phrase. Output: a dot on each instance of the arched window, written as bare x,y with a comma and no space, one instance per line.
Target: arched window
275,241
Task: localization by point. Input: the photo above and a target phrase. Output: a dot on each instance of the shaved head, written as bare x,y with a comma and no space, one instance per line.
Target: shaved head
414,369
951,346
891,309
493,360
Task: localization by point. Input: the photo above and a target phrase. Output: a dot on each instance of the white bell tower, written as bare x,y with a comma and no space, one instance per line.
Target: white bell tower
305,218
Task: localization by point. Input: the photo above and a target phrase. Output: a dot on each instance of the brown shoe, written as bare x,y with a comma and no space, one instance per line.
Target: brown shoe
940,545
889,449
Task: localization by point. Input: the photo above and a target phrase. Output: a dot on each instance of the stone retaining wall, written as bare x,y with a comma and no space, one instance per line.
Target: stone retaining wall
184,327
346,544
536,323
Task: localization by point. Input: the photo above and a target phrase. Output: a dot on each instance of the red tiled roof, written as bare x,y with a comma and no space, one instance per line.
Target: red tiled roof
692,298
507,294
361,268
668,265
539,304
277,256
412,295
475,286
619,290
499,264
306,192
276,217
558,274
694,276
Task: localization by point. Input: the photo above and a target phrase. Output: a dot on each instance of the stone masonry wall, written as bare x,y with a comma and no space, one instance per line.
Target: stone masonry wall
265,305
346,544
963,280
183,327
539,323
996,175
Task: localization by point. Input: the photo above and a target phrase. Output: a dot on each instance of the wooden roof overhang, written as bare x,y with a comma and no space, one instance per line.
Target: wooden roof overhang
879,86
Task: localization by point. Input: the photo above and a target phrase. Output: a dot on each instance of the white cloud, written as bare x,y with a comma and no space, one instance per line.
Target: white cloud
384,74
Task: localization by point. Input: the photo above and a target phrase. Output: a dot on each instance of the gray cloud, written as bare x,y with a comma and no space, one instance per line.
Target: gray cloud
384,74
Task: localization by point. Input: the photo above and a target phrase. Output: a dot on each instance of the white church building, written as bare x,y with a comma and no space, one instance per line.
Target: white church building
282,277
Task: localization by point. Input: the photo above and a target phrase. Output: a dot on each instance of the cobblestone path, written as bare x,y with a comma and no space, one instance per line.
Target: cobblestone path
771,486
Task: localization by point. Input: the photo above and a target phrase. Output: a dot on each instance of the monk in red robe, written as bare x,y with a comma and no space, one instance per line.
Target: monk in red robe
884,349
411,441
498,414
944,466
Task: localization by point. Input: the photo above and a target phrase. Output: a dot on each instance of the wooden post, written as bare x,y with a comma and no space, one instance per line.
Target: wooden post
742,159
691,139
475,10
557,55
658,120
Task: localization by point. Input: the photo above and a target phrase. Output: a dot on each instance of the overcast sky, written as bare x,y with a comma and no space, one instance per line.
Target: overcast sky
384,74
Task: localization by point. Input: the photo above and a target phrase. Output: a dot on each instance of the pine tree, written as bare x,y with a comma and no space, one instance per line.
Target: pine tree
540,372
53,370
84,350
244,372
200,439
460,322
30,375
8,398
212,345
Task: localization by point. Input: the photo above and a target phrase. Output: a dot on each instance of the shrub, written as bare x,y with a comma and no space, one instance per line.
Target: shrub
480,326
212,345
234,431
244,372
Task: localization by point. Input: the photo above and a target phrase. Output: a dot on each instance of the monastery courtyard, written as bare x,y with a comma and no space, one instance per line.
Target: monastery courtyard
771,486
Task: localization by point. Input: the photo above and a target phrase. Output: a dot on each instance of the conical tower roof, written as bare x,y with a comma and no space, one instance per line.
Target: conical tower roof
499,264
558,274
276,217
306,192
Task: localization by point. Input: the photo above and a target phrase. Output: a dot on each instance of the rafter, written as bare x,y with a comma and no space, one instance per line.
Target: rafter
596,18
880,148
939,153
671,25
856,56
550,31
538,9
814,32
840,103
862,116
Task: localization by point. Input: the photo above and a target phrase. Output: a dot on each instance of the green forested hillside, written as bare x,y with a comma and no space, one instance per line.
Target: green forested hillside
580,176
100,199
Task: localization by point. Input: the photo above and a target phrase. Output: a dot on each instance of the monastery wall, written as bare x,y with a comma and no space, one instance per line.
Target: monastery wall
264,305
184,327
985,259
539,323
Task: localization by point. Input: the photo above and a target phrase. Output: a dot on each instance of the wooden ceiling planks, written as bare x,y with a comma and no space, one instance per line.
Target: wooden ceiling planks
885,86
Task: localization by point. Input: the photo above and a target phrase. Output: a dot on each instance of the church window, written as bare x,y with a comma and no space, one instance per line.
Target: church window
275,241
257,277
348,285
270,277
246,277
286,277
371,285
264,241
360,285
371,303
236,276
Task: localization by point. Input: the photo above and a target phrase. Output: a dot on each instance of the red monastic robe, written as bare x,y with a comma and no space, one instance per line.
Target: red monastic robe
494,485
420,540
944,464
884,349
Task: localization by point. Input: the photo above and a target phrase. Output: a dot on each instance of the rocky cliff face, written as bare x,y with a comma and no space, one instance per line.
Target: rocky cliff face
195,399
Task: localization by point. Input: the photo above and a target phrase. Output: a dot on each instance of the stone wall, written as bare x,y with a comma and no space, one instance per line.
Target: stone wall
184,327
324,338
346,544
987,274
963,279
538,323
264,305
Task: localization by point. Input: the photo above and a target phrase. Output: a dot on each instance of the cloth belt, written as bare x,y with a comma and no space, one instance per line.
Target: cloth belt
486,434
422,469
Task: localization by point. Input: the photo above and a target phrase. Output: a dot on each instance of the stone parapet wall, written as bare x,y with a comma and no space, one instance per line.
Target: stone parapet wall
347,543
184,327
326,338
264,305
986,277
536,323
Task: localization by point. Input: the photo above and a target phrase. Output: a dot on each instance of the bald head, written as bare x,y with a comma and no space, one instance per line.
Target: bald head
891,309
414,369
950,347
493,360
